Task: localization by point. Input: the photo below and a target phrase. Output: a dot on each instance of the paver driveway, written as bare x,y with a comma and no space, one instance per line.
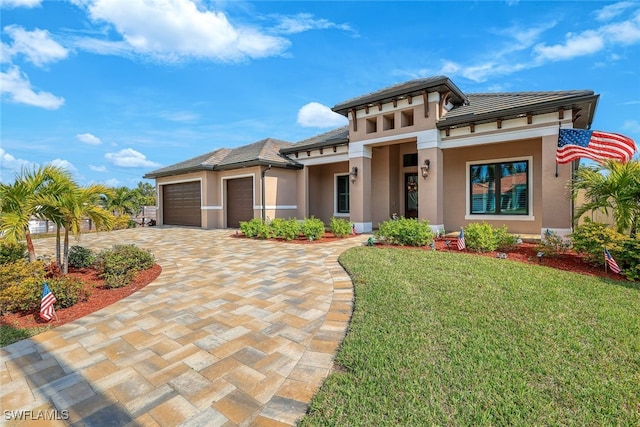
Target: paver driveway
233,332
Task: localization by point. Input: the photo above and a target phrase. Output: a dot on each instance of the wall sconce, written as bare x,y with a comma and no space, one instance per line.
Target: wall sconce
354,174
425,168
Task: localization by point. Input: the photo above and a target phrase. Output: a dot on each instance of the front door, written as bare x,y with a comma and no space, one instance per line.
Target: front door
411,195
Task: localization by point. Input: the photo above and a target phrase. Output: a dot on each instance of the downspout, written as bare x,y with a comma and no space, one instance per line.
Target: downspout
264,208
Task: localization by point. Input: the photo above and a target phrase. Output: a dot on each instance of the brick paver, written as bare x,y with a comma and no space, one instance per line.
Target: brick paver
233,332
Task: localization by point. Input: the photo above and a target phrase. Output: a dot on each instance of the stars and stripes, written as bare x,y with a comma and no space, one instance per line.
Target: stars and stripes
574,144
613,265
461,242
46,305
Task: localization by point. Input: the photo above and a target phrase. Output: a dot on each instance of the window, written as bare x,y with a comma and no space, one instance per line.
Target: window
409,160
388,122
406,118
342,195
372,125
500,188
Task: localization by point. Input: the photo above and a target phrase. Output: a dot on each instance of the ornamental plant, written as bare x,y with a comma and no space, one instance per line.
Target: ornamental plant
405,232
118,265
483,237
340,227
11,252
591,238
312,228
21,285
81,257
256,227
287,229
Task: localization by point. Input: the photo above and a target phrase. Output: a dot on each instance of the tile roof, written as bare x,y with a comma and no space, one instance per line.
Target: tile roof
339,136
488,106
263,152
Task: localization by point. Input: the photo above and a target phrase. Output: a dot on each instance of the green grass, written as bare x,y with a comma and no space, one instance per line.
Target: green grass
9,334
442,338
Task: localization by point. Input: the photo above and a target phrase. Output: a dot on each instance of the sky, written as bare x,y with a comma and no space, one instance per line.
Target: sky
113,89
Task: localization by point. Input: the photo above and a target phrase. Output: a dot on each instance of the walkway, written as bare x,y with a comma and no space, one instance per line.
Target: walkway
233,332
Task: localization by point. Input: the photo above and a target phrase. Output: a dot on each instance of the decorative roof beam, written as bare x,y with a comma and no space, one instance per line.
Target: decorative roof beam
379,106
395,102
410,99
499,123
529,118
561,113
355,120
425,100
472,127
447,131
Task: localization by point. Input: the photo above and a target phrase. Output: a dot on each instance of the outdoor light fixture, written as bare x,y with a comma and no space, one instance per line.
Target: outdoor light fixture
425,168
354,174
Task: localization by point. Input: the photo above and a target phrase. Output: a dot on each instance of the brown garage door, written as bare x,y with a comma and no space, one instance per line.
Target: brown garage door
181,204
239,201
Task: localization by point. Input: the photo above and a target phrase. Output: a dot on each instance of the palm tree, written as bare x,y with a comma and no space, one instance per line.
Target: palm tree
18,202
121,201
611,185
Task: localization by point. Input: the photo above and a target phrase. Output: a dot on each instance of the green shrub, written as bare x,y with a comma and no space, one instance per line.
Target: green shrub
629,259
552,244
11,252
483,237
81,257
591,238
312,228
340,227
21,285
255,227
287,229
405,232
68,291
118,265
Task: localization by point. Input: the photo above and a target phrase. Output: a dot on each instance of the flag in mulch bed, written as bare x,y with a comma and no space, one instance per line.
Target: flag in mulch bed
46,306
613,265
461,243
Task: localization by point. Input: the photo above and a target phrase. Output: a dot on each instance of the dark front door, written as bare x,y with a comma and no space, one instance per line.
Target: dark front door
239,201
411,195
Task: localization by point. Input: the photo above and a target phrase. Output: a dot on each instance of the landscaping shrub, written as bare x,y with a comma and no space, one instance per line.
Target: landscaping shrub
67,290
123,221
591,238
11,252
255,227
340,227
629,259
312,228
405,232
552,244
81,257
21,285
118,265
287,229
483,237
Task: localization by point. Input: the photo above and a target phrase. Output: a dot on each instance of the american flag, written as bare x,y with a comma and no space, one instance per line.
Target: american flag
613,265
595,145
46,305
461,243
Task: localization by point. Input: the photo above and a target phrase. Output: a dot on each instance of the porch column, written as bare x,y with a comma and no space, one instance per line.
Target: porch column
360,189
431,188
302,196
555,192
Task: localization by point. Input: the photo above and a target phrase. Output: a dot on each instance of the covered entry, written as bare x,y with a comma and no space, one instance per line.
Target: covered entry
181,204
239,201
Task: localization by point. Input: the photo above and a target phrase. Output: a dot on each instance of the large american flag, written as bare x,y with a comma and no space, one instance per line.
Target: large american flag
574,144
46,305
613,265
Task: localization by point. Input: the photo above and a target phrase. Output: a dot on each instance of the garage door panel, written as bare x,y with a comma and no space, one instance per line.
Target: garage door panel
181,204
239,201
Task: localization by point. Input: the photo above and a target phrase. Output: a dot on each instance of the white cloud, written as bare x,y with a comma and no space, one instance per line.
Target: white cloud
37,46
305,22
317,115
585,43
20,3
10,166
98,168
611,11
632,126
64,164
174,30
87,138
17,86
130,158
112,183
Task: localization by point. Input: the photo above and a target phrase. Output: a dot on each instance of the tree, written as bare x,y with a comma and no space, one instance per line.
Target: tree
611,186
18,202
121,201
147,192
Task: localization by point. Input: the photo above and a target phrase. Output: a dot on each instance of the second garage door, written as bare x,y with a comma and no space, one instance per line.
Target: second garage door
181,204
239,201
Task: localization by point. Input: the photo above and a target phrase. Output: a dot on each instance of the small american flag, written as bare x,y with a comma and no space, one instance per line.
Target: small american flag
595,145
613,265
46,305
461,243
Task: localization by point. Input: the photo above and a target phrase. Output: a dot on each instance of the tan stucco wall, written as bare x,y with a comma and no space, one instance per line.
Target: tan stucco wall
321,189
281,193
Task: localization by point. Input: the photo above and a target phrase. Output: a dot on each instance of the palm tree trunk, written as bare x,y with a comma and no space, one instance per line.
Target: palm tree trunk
65,259
30,248
58,260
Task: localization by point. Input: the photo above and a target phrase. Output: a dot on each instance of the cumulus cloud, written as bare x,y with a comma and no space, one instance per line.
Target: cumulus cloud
98,168
87,138
174,30
10,166
17,87
305,22
20,3
585,43
36,46
317,115
64,164
130,158
613,10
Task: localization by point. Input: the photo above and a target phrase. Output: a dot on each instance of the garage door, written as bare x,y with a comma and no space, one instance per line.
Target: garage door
239,201
181,204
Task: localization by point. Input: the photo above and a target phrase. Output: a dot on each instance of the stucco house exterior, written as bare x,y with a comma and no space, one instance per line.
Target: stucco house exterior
421,149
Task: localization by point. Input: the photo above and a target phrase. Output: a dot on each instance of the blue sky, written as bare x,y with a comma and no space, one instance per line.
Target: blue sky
112,89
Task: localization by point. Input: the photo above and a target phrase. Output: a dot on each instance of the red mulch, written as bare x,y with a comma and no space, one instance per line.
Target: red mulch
100,297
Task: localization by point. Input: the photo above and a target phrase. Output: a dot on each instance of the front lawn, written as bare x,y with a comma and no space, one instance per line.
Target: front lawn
456,339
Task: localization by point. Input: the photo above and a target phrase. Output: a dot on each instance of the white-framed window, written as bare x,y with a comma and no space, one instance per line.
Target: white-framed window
341,195
500,189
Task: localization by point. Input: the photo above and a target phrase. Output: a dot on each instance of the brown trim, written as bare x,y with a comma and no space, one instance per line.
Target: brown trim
472,127
529,118
561,113
354,119
366,109
395,102
425,100
379,106
499,123
410,99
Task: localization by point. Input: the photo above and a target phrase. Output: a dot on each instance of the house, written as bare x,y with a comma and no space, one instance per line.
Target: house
420,149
